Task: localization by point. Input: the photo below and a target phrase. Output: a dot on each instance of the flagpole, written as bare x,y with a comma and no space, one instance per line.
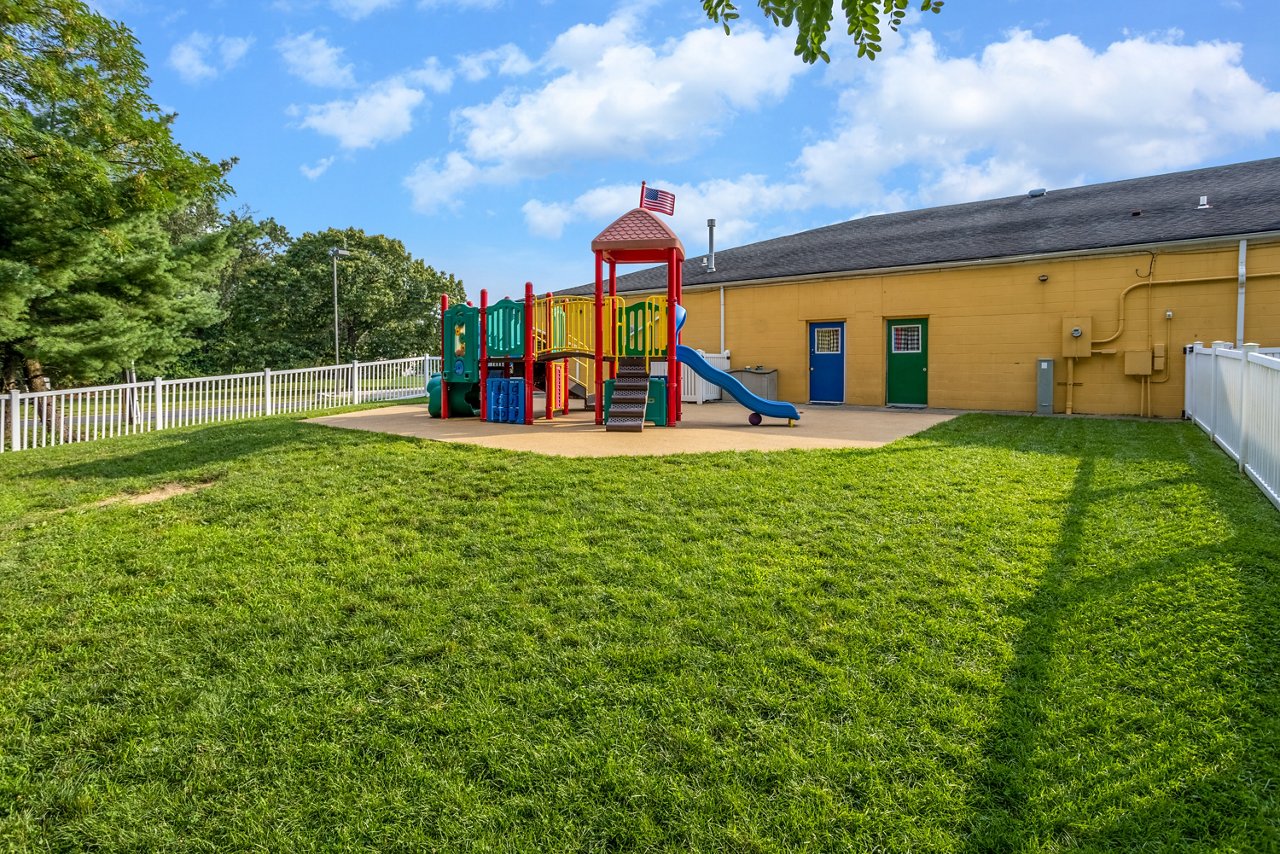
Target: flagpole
642,183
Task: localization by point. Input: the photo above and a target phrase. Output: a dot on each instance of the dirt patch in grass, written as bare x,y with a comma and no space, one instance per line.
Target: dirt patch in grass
160,493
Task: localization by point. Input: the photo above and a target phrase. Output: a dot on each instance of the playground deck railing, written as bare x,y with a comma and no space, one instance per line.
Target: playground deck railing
1234,396
568,325
643,328
48,418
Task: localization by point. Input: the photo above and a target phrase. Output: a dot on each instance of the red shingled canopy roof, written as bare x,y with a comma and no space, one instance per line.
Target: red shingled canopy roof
637,237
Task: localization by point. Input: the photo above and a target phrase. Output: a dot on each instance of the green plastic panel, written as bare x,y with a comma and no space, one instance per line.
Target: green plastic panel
655,408
635,330
506,329
462,340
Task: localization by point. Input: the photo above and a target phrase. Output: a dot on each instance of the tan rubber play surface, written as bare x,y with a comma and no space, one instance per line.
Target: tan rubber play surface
709,427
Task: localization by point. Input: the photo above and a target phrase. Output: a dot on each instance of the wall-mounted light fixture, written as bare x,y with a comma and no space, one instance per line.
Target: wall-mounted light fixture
1044,277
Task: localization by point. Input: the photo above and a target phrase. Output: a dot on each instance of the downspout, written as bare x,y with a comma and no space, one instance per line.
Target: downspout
722,318
1240,279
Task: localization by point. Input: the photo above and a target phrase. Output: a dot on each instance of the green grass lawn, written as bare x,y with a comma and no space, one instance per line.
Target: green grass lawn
1004,634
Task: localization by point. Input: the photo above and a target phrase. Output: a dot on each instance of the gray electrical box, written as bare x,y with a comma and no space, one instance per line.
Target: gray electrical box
1044,386
760,381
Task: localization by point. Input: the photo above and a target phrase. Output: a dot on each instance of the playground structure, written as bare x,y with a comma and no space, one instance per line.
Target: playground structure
497,355
494,356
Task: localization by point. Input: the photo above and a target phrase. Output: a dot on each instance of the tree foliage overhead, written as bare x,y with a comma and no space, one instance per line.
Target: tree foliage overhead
279,300
113,250
813,20
95,272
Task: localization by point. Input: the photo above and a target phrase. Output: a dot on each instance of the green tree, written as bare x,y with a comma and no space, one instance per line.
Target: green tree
280,312
95,270
813,20
239,336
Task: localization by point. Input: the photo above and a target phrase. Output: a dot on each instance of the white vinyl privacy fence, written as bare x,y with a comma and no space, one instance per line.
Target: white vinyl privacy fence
44,418
694,389
1234,396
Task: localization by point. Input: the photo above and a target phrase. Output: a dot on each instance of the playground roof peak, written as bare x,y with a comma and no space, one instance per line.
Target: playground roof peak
636,234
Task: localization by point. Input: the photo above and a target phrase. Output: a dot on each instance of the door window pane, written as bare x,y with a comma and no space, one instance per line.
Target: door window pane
906,339
826,340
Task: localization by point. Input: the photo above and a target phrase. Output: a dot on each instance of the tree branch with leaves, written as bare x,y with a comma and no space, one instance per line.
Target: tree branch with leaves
92,276
813,19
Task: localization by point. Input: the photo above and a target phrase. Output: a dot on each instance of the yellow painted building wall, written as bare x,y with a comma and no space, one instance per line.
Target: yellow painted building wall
989,324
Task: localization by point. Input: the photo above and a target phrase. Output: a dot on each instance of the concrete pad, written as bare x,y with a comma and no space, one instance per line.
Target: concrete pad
710,427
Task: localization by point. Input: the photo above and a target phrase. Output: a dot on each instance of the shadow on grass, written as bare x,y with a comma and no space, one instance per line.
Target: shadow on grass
1139,707
194,452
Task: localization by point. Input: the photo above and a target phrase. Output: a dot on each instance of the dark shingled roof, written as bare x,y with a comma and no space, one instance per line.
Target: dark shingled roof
1244,198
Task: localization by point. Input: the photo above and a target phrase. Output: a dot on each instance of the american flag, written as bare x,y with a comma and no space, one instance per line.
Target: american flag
658,200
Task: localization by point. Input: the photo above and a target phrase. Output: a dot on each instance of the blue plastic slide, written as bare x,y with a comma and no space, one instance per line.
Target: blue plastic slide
715,376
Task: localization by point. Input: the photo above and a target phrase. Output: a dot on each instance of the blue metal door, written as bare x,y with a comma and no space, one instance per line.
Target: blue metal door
826,362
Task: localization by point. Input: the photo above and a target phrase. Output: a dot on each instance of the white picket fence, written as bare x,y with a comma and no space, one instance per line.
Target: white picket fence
1234,396
693,388
45,418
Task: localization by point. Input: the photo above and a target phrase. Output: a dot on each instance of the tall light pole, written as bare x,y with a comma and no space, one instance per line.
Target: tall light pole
334,254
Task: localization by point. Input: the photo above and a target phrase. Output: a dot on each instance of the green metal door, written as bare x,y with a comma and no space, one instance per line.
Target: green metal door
907,380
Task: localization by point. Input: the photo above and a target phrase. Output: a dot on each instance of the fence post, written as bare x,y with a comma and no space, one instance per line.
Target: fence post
1213,389
15,421
1249,349
1189,381
268,405
355,381
157,404
426,373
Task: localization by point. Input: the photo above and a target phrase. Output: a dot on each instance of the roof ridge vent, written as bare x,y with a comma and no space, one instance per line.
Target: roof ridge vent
1036,193
1204,204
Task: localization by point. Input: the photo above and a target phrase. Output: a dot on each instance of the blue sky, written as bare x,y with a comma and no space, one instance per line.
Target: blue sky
497,137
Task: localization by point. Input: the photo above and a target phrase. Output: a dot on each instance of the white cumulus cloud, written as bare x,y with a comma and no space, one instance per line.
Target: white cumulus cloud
928,129
435,184
357,9
313,59
508,61
231,49
382,113
461,4
732,203
201,57
610,95
432,75
1031,111
321,166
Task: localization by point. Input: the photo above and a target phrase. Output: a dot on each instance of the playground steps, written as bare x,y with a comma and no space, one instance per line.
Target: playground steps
630,394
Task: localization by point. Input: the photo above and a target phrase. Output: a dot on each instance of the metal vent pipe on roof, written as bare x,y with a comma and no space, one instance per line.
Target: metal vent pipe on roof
711,246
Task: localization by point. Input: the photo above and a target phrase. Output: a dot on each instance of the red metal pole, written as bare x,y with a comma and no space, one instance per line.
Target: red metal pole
672,365
613,325
528,352
444,358
600,338
484,354
679,301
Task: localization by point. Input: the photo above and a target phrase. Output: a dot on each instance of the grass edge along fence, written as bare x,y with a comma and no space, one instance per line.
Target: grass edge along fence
1234,396
45,418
